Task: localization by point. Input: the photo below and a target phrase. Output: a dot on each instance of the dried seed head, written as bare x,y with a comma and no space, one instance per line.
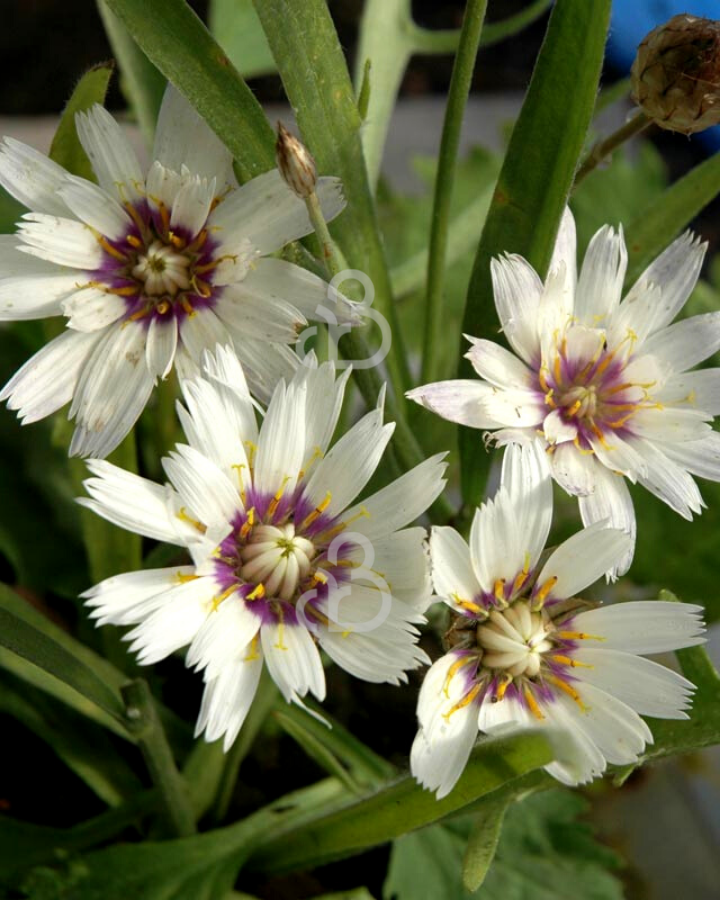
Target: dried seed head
295,162
676,74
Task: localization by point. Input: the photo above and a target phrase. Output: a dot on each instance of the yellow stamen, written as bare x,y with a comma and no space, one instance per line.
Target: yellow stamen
183,579
184,517
577,636
187,306
542,378
501,688
133,241
453,670
127,291
568,661
135,216
225,594
521,577
499,589
341,526
248,523
532,703
257,593
163,307
466,700
176,240
108,248
275,502
567,689
573,410
539,599
253,654
318,511
252,452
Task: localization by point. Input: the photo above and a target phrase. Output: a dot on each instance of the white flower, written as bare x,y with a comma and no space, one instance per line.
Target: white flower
525,652
604,382
281,560
150,269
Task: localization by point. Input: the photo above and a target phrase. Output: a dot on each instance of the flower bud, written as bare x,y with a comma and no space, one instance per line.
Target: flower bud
295,162
676,74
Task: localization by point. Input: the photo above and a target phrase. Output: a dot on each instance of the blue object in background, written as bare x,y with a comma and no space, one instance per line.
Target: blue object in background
632,19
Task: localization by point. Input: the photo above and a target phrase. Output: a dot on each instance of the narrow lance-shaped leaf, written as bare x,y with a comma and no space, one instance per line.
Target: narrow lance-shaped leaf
536,178
181,47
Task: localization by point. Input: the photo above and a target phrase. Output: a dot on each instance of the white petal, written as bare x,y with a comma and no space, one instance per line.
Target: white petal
265,364
61,241
192,204
48,379
36,295
183,138
92,309
514,408
350,464
610,502
675,273
268,214
649,688
228,698
202,331
645,626
282,439
457,401
324,401
517,290
557,430
580,560
174,624
572,470
668,481
565,254
616,730
129,598
402,501
215,646
162,338
111,393
293,660
687,343
136,504
618,456
438,765
670,424
111,154
579,760
452,571
497,549
248,317
601,277
31,178
498,366
700,458
526,477
280,280
95,207
700,389
206,491
403,561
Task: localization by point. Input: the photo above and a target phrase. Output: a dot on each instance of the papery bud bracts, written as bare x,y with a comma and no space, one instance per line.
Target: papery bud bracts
676,74
295,162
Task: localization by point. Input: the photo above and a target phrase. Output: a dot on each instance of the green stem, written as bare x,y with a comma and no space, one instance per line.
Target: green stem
334,263
599,151
494,32
449,144
143,721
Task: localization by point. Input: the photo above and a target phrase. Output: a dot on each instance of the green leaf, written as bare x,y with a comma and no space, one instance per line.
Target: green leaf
236,27
142,84
334,748
536,177
177,42
66,149
483,841
661,221
23,844
312,66
34,644
398,808
543,849
84,747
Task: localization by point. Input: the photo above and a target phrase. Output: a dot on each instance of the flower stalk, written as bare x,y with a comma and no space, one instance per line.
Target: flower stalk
605,147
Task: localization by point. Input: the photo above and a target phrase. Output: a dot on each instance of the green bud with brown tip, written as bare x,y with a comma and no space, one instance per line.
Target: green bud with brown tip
295,162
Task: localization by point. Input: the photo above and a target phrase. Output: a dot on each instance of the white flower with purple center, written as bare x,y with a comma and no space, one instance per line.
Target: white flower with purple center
604,382
525,651
150,269
283,560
